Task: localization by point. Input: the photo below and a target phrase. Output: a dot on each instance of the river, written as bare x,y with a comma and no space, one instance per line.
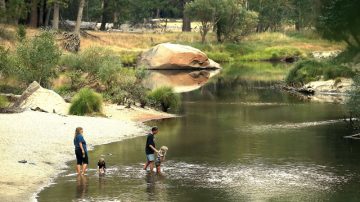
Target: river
239,139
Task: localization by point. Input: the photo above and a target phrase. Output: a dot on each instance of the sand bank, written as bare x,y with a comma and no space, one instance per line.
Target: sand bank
44,140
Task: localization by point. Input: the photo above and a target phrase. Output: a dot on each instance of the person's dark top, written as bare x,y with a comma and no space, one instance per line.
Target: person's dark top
101,165
149,141
79,138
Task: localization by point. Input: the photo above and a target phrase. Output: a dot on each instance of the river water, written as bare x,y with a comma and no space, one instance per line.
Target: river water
238,140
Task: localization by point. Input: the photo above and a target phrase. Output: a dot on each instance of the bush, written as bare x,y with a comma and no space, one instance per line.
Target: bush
312,70
21,33
109,71
37,58
86,102
3,102
129,58
6,65
4,88
165,98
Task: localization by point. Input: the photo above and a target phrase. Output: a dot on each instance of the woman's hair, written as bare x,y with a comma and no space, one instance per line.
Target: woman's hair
78,131
101,160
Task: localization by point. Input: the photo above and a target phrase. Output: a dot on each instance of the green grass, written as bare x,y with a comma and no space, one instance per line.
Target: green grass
311,70
129,58
255,71
86,102
272,54
3,102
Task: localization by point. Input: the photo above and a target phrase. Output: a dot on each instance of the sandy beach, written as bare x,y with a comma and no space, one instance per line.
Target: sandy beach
44,140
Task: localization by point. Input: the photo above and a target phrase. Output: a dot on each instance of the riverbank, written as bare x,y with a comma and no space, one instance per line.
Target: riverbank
44,140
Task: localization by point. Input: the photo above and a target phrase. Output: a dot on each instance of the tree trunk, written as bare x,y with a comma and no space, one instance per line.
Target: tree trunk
104,15
55,22
48,12
41,12
157,13
186,25
34,13
79,17
2,10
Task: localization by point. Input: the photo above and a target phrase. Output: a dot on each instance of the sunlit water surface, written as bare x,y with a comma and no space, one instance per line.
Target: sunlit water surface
239,140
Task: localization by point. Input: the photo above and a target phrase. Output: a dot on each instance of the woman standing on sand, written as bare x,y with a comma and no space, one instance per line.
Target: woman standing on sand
80,151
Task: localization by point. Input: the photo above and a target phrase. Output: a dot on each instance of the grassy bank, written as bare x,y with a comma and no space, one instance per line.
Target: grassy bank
343,65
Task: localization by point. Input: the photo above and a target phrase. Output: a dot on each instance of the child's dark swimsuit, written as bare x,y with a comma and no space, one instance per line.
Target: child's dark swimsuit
101,165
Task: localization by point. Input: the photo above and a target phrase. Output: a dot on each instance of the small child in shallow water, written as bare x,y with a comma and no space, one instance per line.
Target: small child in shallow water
160,158
101,166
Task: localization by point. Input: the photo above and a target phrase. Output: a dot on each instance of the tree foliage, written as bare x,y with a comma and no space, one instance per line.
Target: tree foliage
339,20
37,58
235,21
205,11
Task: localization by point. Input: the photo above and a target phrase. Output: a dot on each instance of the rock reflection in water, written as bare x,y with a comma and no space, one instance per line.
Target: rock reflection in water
180,80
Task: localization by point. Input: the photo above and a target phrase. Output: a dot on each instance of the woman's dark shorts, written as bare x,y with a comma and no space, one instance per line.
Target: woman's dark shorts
79,158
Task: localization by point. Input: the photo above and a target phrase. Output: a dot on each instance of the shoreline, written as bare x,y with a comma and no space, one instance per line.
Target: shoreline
41,135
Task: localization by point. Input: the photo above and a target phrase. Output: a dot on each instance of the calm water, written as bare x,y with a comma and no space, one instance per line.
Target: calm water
239,140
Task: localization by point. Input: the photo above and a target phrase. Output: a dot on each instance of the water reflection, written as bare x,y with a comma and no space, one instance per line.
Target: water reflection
180,80
81,186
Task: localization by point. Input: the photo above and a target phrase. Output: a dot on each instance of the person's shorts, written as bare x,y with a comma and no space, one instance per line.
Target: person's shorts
79,158
150,157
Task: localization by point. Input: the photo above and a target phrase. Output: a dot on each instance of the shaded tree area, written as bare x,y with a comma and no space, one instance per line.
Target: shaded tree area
339,20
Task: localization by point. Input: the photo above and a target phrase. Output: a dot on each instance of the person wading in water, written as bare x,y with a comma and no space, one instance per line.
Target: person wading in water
80,151
150,149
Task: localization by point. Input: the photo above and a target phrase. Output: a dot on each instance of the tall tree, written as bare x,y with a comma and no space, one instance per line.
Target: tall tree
55,22
2,11
105,14
186,22
205,11
79,17
34,13
340,21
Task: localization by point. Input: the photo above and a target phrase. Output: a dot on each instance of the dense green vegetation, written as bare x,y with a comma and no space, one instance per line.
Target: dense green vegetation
313,70
86,102
3,102
165,98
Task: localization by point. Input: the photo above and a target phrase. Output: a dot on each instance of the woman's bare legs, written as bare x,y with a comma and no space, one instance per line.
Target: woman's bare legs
78,169
84,167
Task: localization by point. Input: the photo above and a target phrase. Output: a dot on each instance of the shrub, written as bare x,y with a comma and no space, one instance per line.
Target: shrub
109,71
86,102
141,73
21,33
37,58
3,102
129,58
165,98
6,65
4,88
312,70
64,90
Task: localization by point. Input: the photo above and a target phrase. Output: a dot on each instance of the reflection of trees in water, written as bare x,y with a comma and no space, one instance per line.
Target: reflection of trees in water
155,187
81,186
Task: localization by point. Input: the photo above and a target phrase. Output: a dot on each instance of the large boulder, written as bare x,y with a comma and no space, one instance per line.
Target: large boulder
176,56
38,98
